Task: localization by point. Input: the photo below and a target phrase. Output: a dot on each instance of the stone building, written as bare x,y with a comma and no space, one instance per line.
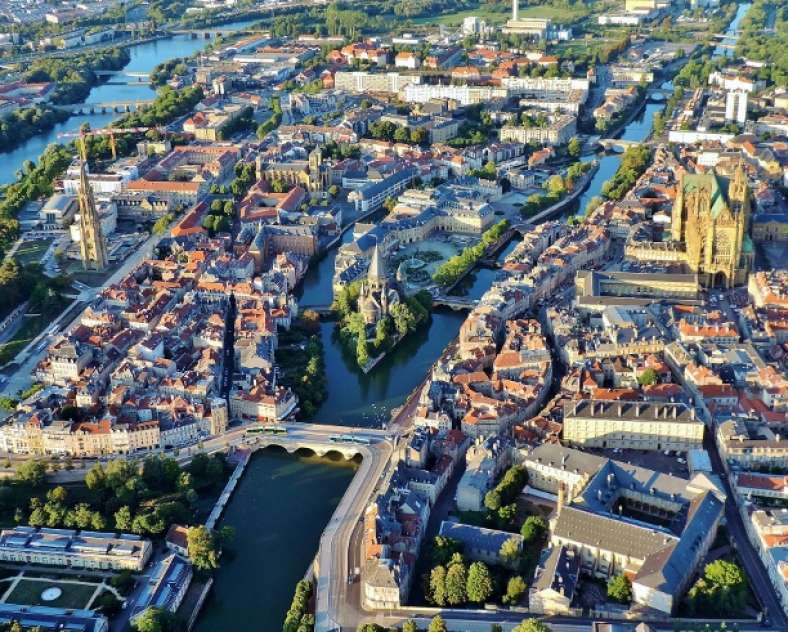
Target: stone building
377,295
709,230
710,216
92,245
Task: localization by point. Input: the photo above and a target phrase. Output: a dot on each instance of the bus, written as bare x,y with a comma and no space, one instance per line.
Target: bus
277,430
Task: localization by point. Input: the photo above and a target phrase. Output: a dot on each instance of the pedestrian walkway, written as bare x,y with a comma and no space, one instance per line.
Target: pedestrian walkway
242,459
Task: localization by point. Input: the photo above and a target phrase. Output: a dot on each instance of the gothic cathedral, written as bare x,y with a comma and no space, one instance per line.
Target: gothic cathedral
711,217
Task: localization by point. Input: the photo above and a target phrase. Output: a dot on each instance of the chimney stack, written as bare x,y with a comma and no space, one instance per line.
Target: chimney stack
515,10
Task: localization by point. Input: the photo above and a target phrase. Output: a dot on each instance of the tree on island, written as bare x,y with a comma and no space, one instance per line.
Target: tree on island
574,147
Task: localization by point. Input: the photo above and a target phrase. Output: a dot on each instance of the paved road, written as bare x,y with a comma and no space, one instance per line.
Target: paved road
756,573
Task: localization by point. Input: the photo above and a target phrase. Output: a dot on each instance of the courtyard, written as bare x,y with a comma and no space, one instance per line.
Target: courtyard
63,592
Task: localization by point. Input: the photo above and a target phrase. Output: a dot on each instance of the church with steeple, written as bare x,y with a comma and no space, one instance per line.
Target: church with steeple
378,294
92,245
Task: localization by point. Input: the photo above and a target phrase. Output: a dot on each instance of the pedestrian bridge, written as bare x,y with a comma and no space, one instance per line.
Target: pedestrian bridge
617,144
457,303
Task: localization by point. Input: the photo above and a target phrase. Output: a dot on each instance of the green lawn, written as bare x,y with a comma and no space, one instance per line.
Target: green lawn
500,13
28,592
492,15
30,328
32,251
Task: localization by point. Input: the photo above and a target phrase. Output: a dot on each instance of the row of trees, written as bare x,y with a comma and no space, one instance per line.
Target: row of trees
300,356
75,76
460,583
268,126
298,619
437,624
771,47
386,130
34,181
451,271
123,495
633,164
17,127
168,105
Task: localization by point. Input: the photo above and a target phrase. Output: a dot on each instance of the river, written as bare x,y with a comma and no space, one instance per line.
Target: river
144,58
279,510
723,48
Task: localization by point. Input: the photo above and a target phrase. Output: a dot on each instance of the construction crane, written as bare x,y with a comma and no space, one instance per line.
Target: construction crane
106,131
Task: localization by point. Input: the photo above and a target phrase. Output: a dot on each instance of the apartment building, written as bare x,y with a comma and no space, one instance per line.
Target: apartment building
632,425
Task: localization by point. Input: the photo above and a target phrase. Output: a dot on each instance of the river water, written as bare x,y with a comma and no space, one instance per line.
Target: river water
144,58
279,510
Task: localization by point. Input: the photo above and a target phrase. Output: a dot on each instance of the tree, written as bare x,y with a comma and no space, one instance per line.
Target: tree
456,585
649,377
438,585
155,620
443,548
619,589
479,586
492,500
721,590
32,473
574,147
57,494
409,626
555,185
531,625
515,588
203,548
401,135
533,528
437,624
510,551
362,350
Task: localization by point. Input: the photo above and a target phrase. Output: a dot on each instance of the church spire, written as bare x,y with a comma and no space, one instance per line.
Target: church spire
377,268
91,243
